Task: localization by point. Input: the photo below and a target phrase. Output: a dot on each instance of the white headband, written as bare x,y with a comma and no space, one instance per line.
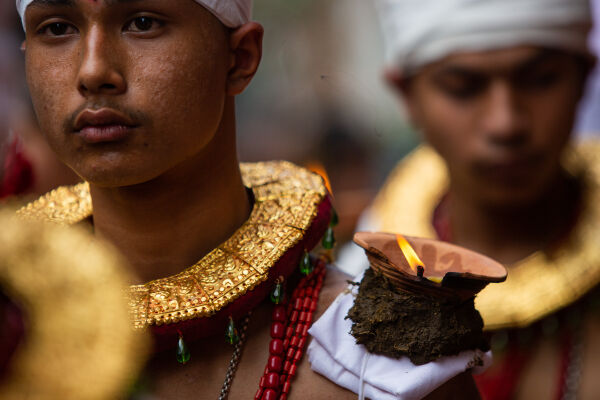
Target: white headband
418,32
232,13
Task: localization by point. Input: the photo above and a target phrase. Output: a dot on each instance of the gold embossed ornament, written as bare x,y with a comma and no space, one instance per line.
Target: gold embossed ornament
287,200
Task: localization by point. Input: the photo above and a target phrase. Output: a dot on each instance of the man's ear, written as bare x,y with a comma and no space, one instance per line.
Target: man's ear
245,44
395,80
24,46
402,87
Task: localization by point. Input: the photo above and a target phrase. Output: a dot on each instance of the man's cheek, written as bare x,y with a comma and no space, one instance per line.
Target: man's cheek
49,114
42,91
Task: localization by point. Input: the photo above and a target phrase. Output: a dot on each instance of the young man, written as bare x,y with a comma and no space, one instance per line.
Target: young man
137,97
493,86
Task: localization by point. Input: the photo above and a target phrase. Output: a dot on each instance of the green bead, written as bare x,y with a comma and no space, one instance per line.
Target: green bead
231,335
334,218
306,266
329,239
277,293
183,354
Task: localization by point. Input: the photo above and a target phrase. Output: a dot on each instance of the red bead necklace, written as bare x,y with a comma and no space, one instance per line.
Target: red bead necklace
289,330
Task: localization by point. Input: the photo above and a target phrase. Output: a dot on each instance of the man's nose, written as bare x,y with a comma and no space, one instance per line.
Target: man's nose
100,71
504,118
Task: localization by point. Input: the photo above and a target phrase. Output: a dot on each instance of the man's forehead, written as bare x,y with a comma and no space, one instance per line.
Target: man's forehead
496,61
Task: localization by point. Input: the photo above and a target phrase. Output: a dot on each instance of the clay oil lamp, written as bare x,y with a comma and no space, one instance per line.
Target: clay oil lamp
417,299
429,266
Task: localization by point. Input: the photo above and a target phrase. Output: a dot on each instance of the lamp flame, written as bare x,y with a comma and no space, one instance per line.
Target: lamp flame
413,259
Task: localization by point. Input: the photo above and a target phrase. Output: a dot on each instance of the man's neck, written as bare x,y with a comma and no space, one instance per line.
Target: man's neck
167,224
509,234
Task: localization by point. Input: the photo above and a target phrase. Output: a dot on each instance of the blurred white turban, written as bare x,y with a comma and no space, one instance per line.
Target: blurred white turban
232,13
418,32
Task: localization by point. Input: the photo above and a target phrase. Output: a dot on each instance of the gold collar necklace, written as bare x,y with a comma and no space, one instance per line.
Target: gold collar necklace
286,201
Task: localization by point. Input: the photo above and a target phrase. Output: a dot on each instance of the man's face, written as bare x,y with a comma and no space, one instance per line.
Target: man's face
500,119
125,90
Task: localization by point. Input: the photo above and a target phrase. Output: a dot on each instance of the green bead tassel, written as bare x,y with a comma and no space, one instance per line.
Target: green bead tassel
334,218
277,293
231,335
183,354
329,239
306,266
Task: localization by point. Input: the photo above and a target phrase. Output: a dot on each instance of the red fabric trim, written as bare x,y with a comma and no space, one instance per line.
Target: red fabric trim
166,336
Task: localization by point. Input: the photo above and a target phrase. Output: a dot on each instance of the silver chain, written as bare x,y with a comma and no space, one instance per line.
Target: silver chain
235,359
574,366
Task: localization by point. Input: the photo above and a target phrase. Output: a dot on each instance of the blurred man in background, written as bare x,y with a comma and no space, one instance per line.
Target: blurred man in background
494,86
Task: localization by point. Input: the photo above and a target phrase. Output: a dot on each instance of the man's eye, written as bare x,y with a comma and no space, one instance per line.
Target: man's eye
462,90
463,93
540,81
143,24
57,29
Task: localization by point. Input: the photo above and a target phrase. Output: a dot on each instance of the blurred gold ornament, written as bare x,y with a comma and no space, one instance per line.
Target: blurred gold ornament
79,342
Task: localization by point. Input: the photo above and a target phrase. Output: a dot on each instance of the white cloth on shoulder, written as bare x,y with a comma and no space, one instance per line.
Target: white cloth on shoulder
333,353
352,258
418,32
232,13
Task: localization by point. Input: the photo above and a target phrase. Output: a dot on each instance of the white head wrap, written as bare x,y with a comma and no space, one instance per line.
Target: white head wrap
418,32
232,13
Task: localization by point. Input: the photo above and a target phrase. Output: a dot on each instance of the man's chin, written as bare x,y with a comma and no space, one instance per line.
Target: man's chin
115,178
515,197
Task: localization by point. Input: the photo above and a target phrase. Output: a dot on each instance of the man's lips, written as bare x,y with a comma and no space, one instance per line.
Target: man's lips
104,133
104,125
509,168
